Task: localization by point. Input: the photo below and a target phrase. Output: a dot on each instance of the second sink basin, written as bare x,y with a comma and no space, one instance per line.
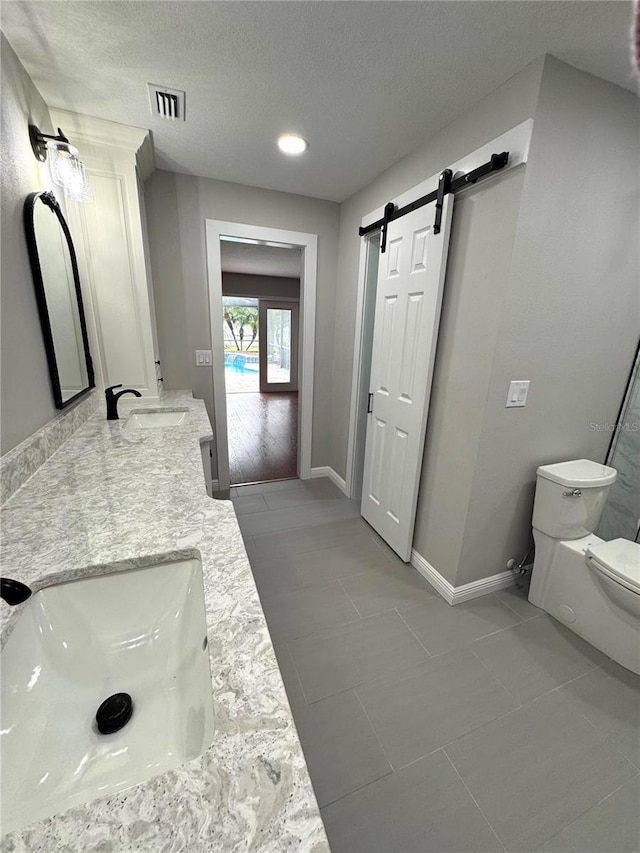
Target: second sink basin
151,420
141,632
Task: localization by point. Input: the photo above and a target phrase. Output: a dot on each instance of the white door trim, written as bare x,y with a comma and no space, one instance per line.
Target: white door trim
516,141
307,328
357,378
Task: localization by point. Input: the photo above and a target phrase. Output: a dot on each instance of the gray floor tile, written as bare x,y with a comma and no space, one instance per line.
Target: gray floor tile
275,576
385,586
306,539
613,826
516,598
267,487
427,707
443,628
322,487
248,545
610,698
342,560
544,775
316,568
536,656
290,677
340,747
249,503
541,775
332,661
421,809
308,491
304,515
537,769
304,611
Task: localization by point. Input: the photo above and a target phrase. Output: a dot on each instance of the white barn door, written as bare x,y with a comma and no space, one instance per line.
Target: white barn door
408,301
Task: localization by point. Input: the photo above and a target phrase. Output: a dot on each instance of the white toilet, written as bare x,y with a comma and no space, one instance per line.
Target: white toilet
592,586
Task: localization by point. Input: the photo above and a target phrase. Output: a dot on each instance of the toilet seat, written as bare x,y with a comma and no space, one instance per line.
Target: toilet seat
619,560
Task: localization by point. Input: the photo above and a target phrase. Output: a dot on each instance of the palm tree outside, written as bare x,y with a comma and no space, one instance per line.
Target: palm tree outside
239,319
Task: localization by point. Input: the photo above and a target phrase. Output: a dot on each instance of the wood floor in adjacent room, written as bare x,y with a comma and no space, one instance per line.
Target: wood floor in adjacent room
263,436
487,726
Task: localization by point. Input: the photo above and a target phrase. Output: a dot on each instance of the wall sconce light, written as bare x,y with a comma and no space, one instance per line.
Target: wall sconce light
67,169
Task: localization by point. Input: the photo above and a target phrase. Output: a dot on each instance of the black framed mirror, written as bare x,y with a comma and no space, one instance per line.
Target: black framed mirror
57,284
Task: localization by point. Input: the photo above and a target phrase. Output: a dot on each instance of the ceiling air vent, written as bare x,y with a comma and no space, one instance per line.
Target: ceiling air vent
166,103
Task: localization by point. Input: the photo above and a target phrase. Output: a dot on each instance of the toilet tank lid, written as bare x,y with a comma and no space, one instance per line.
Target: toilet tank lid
620,556
579,473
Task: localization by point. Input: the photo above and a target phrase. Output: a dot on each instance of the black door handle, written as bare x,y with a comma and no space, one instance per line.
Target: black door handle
370,404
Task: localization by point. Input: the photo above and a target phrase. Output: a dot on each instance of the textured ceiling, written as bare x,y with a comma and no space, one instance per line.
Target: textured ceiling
260,260
364,82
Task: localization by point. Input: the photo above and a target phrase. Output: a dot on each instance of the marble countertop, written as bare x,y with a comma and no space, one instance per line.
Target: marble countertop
113,495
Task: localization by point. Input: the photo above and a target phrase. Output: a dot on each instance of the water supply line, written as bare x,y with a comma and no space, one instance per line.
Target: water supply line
522,568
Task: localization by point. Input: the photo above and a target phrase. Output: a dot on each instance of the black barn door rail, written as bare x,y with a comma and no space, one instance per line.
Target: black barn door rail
446,184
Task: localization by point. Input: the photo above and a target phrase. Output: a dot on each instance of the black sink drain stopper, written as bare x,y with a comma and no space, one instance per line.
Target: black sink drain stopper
114,713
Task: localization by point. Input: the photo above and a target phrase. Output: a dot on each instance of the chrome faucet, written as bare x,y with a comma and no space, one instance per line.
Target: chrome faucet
112,400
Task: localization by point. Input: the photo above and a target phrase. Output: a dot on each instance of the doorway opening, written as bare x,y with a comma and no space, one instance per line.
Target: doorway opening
262,305
260,363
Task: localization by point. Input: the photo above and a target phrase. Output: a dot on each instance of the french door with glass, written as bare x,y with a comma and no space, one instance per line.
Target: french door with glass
278,346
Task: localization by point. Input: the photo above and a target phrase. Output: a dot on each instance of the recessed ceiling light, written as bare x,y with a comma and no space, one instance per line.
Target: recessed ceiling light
291,143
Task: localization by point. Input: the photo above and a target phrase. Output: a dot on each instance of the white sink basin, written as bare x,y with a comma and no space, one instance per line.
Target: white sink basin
153,420
142,632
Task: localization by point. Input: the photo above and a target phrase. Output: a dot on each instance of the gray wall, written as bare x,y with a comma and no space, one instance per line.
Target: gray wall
260,286
482,235
477,276
27,400
542,284
571,316
165,253
177,207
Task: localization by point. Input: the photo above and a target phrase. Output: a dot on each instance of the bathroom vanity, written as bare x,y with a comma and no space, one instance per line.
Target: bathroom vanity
117,497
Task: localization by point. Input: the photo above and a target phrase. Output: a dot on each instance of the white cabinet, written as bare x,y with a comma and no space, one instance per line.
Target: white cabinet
110,234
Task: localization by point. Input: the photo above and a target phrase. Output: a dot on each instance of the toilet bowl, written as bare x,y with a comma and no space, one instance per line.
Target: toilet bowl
590,585
617,567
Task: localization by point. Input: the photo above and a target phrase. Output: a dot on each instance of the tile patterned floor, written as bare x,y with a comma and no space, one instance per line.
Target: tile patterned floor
482,727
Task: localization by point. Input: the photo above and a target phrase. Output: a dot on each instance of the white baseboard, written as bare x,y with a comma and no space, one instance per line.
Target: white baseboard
458,594
483,586
327,471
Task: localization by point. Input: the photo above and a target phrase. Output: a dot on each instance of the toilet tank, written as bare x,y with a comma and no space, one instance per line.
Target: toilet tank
570,497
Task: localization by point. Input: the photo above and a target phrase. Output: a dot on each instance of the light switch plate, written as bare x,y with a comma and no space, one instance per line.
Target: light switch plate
518,391
203,357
